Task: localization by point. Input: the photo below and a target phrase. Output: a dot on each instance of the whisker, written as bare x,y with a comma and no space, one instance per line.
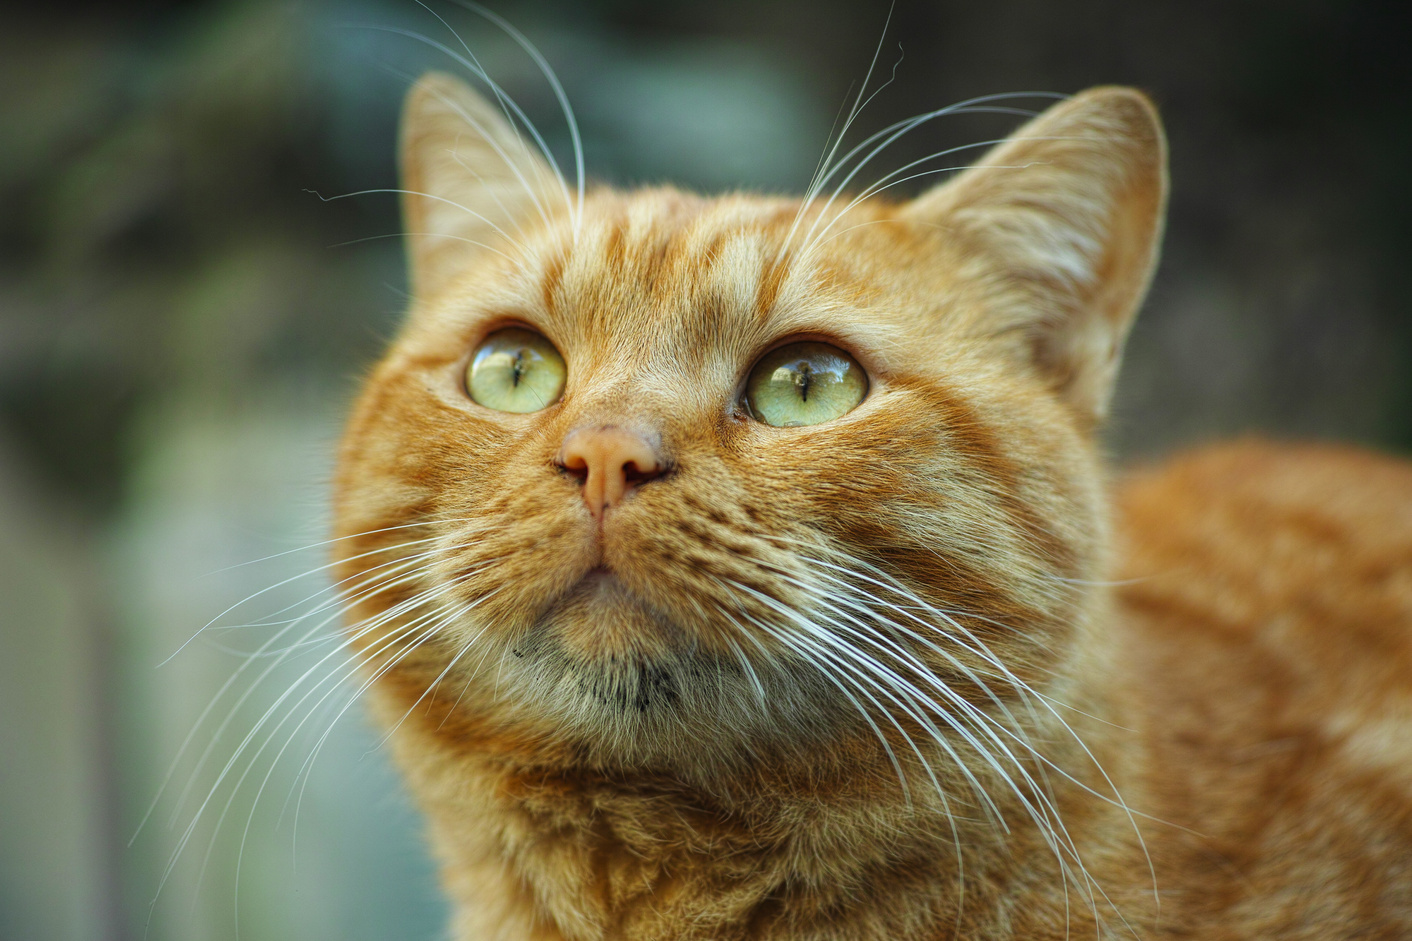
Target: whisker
842,648
441,620
392,190
250,765
548,72
465,609
250,691
1043,811
506,104
831,146
337,539
885,138
200,721
505,100
379,578
277,585
1116,799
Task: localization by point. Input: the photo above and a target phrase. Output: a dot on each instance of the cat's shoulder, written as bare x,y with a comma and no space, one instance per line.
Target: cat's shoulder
1299,552
1249,528
1279,570
1252,479
1264,628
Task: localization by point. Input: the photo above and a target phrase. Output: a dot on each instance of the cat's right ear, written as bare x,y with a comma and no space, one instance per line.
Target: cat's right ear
1069,213
470,180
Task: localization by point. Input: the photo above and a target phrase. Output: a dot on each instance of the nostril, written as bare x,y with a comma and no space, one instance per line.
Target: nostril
572,464
578,471
634,473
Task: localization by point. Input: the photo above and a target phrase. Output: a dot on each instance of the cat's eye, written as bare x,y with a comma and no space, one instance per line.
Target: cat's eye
516,370
804,384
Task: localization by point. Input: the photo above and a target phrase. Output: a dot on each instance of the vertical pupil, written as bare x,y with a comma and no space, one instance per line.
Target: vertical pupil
802,380
518,369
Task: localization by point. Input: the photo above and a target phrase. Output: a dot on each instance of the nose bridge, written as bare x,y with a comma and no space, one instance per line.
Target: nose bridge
616,422
626,393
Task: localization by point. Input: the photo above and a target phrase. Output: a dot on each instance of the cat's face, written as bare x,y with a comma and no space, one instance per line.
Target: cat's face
656,558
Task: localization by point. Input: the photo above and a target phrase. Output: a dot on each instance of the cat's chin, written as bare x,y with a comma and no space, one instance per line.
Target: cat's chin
612,673
601,619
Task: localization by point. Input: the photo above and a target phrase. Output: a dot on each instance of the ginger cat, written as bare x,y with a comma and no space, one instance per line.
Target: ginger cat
745,568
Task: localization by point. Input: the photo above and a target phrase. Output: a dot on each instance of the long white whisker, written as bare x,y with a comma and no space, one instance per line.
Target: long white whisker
505,100
393,190
506,104
358,631
277,585
196,818
433,521
333,688
370,625
1043,811
887,181
225,687
461,612
890,135
831,147
901,685
812,631
794,643
1117,799
377,588
306,769
554,84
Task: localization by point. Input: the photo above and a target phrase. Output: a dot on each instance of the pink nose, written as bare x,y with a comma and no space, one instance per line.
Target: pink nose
610,461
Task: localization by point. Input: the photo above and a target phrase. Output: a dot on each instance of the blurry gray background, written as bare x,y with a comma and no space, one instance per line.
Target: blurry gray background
182,324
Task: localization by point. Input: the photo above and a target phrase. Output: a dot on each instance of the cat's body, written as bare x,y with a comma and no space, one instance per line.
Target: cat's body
661,668
1268,658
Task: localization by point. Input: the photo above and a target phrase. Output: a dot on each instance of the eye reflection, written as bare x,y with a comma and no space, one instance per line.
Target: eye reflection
804,384
516,370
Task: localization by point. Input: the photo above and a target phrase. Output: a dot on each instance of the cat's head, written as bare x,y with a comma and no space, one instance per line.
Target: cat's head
654,476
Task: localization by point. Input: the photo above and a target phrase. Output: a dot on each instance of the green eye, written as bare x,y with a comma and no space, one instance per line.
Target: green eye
804,384
516,370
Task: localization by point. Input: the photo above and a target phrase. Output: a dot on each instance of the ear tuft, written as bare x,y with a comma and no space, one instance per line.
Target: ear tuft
471,181
1070,208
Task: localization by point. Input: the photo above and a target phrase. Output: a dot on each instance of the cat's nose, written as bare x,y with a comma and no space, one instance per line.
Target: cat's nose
609,461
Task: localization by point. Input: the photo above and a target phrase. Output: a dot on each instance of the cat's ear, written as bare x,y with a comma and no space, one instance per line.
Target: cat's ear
1070,208
470,181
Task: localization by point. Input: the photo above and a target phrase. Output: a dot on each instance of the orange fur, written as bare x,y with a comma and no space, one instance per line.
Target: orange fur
869,678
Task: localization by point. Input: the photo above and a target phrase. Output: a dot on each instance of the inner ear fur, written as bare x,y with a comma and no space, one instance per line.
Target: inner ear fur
1069,212
470,180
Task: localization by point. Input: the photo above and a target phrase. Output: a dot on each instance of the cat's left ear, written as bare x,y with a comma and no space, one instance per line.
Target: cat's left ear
470,180
1070,209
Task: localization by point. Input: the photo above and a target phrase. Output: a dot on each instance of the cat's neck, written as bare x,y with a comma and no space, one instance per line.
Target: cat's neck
822,843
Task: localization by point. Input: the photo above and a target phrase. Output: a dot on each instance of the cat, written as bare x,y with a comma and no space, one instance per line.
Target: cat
746,568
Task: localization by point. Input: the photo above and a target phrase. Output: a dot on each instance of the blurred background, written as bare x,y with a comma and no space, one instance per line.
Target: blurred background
184,317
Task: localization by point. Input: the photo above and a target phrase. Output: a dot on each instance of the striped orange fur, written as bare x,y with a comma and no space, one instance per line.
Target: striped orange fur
916,672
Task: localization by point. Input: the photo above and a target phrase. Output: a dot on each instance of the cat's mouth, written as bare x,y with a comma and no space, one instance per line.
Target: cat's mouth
600,576
599,616
599,584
